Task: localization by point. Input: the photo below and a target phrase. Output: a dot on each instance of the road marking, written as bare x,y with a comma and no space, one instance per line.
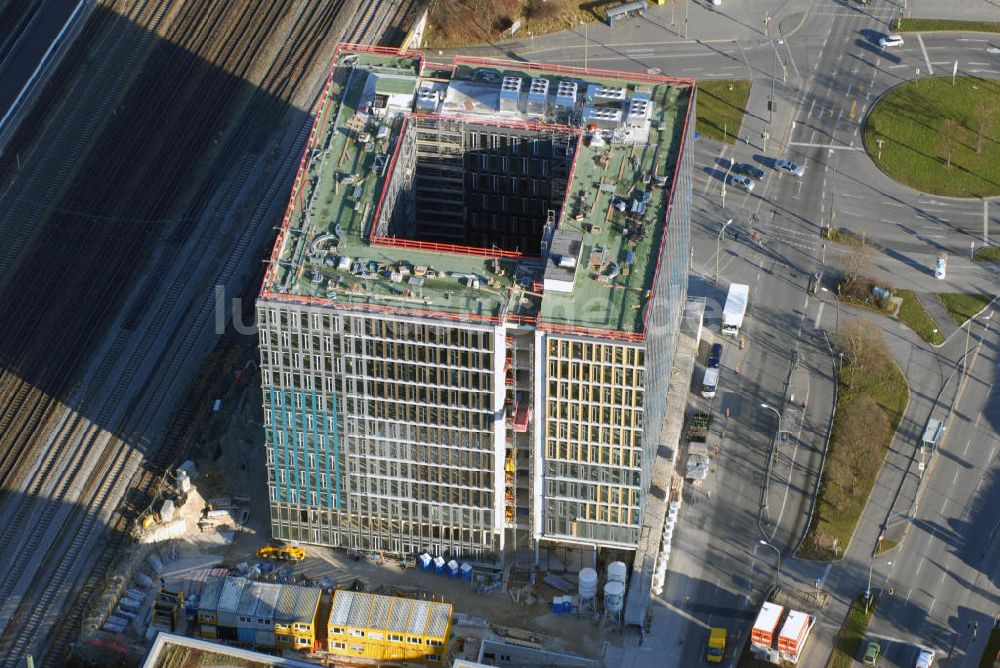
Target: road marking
919,566
930,68
987,64
909,592
827,146
986,221
893,203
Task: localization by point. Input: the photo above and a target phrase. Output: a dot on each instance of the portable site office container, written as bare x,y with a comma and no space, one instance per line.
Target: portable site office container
304,622
794,633
387,628
208,604
229,601
284,615
263,638
762,634
246,611
264,617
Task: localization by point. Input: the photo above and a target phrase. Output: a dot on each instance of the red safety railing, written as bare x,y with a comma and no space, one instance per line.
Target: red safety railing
385,186
520,124
379,308
435,247
595,332
575,71
666,219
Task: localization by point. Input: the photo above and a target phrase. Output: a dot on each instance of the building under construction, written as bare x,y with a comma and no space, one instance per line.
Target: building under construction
468,321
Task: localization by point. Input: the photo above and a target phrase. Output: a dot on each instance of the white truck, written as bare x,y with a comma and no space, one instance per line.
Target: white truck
735,308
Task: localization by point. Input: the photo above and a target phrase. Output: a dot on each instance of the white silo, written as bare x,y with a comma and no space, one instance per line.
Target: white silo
614,598
588,584
617,572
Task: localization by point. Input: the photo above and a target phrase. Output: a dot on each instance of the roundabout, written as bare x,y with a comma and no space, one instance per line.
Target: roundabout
939,138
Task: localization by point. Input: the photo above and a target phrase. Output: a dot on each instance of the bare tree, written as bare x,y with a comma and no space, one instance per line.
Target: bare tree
985,114
865,349
949,137
857,261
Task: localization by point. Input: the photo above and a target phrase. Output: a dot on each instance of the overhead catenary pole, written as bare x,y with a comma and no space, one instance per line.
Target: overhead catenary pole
718,246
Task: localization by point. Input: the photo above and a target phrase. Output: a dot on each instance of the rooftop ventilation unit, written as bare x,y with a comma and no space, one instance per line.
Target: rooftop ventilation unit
640,109
538,95
510,94
605,94
428,99
566,94
603,117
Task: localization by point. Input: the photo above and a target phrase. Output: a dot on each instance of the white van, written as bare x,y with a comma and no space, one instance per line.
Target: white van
710,383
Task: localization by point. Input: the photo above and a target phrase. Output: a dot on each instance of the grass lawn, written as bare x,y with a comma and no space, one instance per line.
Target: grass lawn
885,545
988,254
837,513
963,306
720,110
912,121
992,647
852,634
928,25
913,313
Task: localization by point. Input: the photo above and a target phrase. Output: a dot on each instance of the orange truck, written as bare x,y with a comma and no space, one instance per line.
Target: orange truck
793,636
762,634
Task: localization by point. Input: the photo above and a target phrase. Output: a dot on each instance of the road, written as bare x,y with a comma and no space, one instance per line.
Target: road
946,578
825,72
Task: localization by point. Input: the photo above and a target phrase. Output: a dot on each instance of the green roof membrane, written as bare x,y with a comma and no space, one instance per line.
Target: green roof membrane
324,254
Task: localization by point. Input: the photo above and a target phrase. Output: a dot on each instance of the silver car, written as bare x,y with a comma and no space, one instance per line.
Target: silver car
741,181
793,168
925,659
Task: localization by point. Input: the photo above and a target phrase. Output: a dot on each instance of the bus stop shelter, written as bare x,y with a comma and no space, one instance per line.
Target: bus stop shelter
625,10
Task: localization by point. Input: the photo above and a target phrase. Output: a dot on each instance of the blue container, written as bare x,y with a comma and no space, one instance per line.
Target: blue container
557,604
452,569
465,570
245,636
425,561
567,605
439,565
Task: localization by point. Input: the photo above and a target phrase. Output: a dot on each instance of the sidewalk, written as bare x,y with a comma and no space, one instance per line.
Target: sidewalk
734,20
945,322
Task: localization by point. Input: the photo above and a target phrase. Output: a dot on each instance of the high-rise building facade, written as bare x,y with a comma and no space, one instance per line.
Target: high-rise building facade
468,322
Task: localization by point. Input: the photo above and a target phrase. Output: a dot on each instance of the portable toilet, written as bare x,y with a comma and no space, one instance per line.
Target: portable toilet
465,570
425,561
453,569
439,565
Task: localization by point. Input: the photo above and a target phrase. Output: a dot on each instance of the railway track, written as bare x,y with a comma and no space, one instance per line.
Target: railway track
113,458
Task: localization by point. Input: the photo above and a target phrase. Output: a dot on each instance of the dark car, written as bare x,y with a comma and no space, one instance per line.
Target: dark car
715,356
747,169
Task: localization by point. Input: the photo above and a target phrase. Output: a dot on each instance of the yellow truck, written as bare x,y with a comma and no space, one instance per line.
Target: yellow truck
716,649
282,552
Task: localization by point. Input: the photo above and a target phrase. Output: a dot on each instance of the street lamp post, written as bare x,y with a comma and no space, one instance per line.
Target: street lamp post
836,327
725,180
968,333
718,246
777,571
777,414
